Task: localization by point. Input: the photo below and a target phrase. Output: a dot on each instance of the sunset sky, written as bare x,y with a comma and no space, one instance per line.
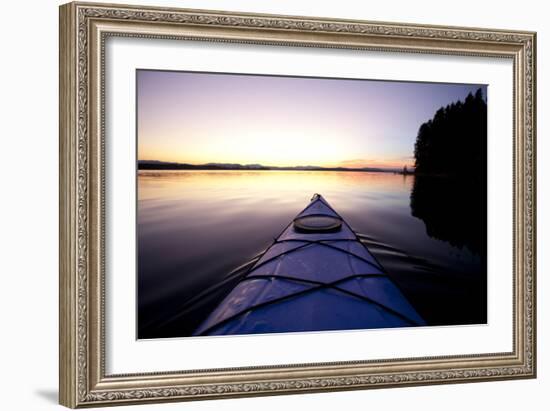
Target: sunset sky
202,118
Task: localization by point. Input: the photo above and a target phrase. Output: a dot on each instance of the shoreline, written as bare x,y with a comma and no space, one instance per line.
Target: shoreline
214,168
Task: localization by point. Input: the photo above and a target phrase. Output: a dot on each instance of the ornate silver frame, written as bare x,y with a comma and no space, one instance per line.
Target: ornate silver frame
83,30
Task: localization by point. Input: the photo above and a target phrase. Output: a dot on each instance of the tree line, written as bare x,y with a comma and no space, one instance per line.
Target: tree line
449,193
454,141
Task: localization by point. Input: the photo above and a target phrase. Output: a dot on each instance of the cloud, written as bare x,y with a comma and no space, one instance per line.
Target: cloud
396,162
357,161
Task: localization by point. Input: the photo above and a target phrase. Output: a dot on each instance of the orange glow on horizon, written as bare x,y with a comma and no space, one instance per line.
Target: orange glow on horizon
367,163
317,149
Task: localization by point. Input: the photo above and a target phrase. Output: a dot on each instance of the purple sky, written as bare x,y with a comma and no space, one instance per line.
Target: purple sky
284,121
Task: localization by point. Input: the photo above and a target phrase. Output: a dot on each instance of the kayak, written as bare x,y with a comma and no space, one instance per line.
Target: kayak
316,276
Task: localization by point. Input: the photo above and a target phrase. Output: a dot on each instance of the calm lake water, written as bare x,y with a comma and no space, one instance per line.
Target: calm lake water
195,227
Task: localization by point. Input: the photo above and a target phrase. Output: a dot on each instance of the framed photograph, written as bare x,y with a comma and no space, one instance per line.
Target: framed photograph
260,204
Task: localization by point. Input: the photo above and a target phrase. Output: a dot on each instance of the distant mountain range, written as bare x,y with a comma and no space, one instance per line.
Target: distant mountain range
162,165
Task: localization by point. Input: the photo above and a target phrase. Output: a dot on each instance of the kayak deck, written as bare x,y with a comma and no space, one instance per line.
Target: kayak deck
312,278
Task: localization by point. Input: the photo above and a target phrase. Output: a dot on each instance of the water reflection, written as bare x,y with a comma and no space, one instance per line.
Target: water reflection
194,227
453,210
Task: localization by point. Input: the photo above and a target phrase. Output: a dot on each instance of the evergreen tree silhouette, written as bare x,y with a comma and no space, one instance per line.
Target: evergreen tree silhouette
449,193
454,141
